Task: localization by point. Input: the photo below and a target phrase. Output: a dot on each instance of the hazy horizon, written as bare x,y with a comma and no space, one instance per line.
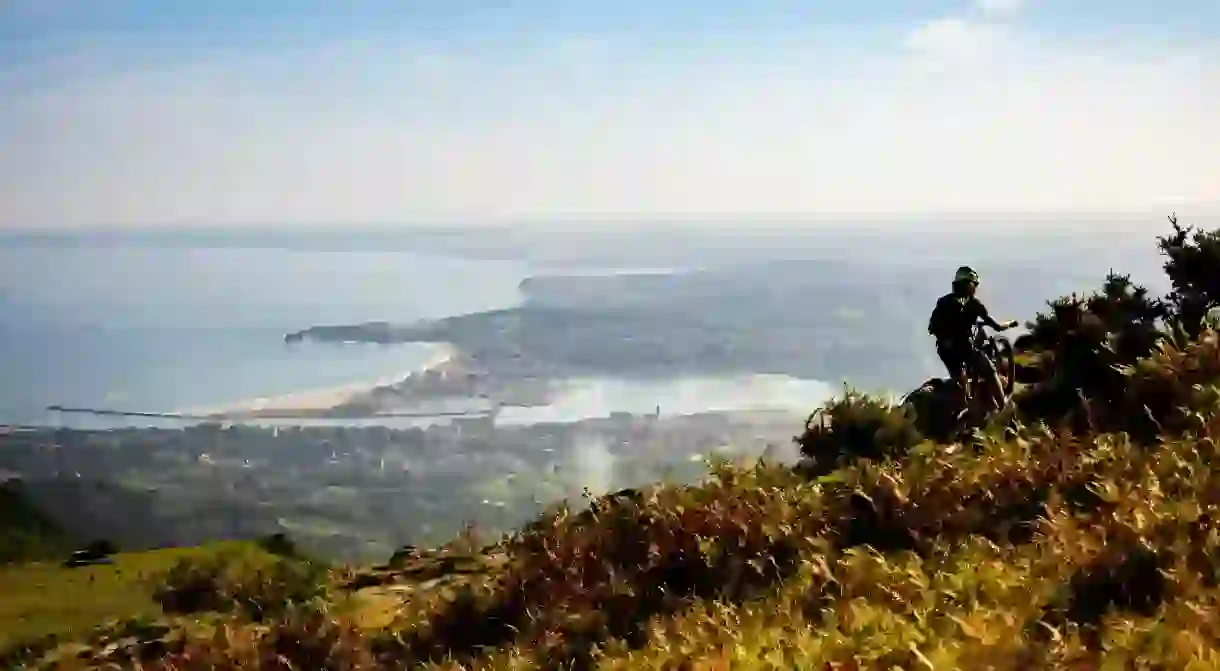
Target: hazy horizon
744,223
310,113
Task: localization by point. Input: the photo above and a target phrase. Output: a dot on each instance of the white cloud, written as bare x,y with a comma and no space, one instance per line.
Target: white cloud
386,132
999,7
956,43
974,42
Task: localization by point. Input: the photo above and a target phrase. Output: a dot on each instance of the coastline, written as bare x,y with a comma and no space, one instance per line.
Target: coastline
311,402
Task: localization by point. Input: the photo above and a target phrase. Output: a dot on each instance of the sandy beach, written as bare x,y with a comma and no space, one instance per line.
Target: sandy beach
312,401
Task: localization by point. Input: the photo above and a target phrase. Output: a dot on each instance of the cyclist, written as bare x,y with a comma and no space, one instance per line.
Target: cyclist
951,323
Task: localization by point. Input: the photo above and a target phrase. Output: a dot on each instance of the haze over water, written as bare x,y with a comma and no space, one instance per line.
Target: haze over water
159,329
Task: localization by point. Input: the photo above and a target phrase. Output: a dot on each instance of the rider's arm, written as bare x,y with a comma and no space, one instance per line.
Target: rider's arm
986,318
993,323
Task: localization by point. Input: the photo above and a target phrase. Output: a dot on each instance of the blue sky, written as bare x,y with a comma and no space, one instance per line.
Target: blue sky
143,112
222,19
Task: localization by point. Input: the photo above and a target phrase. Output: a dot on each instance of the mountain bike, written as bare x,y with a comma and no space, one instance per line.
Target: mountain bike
938,403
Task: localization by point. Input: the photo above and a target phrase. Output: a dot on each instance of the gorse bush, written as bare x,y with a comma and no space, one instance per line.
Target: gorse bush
1075,352
1121,315
1170,392
281,545
1075,356
235,584
857,426
1192,264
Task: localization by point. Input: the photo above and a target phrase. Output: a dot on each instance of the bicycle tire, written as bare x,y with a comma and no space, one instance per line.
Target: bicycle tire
1005,353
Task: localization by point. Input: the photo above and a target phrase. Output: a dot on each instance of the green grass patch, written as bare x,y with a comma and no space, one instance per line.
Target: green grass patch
46,598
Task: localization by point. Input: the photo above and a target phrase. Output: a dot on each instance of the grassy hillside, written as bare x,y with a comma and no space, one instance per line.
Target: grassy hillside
1032,550
47,598
1079,531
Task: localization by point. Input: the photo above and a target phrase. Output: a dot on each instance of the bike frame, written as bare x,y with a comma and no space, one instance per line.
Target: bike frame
998,351
995,348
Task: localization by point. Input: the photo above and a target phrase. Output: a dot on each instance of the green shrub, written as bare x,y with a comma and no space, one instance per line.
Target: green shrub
1074,353
1192,260
857,426
280,545
1175,390
232,584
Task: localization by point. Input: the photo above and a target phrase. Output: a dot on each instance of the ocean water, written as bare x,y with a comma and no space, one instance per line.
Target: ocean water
137,327
155,329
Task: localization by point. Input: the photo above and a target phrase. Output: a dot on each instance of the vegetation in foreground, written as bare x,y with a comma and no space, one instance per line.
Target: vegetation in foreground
48,599
1080,531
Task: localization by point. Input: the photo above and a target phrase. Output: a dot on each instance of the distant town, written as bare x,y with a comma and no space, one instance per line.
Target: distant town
358,493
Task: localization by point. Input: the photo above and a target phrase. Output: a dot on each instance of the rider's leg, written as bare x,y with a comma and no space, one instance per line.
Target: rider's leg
961,368
991,377
955,364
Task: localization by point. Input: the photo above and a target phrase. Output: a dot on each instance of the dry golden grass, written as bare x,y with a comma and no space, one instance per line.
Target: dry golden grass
1030,549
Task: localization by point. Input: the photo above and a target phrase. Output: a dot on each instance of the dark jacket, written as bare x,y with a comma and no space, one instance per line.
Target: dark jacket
955,315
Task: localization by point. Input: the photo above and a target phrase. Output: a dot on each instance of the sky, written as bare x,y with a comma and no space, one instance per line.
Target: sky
319,112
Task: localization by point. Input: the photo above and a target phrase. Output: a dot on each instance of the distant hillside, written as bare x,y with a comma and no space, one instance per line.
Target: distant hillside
49,517
26,532
857,321
138,520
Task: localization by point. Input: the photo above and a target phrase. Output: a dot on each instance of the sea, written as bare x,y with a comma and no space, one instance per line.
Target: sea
134,327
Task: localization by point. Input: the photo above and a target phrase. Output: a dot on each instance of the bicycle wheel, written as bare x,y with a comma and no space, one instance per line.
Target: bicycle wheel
1006,364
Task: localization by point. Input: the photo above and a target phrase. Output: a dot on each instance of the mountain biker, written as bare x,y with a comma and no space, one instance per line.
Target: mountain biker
951,323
